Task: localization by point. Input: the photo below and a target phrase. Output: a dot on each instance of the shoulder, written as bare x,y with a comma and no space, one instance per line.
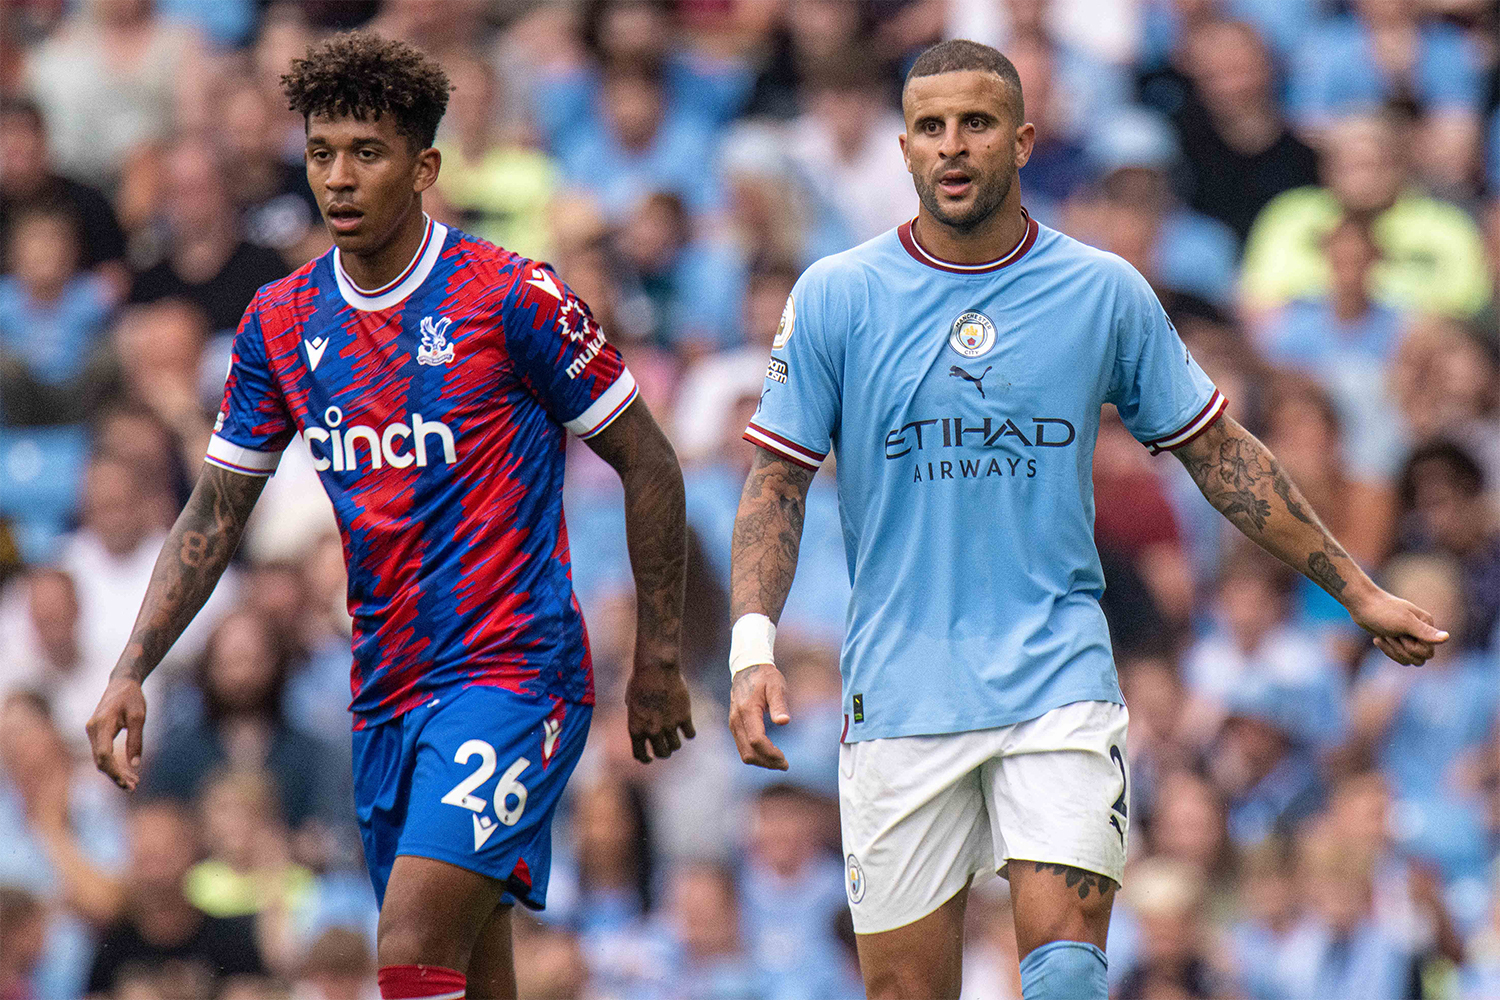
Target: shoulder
498,269
1075,260
855,266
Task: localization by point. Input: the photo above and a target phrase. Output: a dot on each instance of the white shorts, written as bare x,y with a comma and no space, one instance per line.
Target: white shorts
921,815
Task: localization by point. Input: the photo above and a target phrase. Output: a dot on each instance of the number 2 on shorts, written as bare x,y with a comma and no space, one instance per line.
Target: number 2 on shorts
462,793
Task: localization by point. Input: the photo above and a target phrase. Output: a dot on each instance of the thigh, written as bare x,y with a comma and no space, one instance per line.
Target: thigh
489,769
1059,805
433,913
914,826
922,960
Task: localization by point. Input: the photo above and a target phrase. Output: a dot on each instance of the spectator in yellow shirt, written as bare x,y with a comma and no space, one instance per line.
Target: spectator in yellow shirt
1432,253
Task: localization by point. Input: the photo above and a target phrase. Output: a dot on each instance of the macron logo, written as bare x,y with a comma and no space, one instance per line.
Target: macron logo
315,349
484,829
541,279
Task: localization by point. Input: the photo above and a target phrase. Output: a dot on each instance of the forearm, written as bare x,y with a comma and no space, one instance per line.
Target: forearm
192,559
767,536
656,535
1242,480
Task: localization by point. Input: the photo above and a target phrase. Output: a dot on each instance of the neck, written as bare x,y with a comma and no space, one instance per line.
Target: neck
381,266
1348,303
989,240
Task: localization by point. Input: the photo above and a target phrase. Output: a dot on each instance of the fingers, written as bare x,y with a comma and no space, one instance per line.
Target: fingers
638,748
776,700
747,723
102,731
135,727
1394,650
687,728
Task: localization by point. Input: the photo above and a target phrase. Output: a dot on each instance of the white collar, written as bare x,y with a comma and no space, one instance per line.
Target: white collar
408,281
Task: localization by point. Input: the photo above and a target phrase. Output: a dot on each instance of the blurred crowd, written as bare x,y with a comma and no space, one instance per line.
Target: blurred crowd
1312,187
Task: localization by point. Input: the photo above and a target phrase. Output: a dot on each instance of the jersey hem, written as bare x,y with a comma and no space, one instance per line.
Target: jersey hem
995,722
237,458
603,411
784,446
1205,419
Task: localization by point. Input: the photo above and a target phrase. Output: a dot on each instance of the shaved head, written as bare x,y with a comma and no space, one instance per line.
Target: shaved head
959,54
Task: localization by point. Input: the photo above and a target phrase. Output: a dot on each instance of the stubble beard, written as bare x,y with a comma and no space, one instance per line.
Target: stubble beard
989,195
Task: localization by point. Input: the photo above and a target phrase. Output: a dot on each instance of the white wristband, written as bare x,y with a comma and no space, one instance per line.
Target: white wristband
750,642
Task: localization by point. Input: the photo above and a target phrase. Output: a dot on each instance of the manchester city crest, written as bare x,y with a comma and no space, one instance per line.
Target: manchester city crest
972,335
856,876
784,328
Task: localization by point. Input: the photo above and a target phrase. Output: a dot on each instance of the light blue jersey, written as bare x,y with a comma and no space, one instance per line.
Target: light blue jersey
962,402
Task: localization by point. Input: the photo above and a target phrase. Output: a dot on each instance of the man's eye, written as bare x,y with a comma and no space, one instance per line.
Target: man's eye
368,154
977,123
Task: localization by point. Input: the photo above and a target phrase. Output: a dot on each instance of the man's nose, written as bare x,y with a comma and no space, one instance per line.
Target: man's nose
340,176
951,143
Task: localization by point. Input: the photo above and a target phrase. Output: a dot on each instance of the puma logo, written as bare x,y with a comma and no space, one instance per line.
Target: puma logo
957,372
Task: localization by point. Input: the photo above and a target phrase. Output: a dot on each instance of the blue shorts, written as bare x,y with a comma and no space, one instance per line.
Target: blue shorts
472,779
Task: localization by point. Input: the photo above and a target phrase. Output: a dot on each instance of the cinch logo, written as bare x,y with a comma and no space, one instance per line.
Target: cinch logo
397,444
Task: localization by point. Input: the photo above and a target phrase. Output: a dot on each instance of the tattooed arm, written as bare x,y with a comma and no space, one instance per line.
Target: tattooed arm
192,559
1245,483
767,534
656,699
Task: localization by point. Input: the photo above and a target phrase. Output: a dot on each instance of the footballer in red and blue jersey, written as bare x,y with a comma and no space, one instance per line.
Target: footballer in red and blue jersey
433,378
436,410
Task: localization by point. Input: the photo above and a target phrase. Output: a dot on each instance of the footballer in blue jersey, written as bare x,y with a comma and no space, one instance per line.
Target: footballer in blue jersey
434,378
956,367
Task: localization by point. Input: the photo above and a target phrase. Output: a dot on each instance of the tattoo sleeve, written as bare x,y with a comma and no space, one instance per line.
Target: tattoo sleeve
655,523
194,556
1245,483
767,535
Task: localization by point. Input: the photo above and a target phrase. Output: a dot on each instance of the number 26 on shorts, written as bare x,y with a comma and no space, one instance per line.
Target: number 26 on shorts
462,793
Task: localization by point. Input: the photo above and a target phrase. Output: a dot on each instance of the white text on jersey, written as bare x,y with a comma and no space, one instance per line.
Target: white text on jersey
397,444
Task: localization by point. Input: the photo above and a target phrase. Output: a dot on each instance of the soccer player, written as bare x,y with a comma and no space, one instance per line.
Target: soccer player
957,366
434,377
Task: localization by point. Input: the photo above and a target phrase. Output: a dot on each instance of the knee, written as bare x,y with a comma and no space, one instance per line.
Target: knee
404,939
909,981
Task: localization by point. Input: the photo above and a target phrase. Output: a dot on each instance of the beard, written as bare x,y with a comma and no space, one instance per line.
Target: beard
989,195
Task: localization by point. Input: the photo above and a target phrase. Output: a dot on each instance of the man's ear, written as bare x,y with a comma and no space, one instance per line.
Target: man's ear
1025,143
904,157
429,162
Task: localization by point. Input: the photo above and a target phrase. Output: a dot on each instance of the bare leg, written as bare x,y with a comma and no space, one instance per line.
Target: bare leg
921,961
492,966
433,913
1058,903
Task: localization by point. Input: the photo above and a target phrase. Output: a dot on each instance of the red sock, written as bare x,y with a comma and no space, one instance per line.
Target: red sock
421,982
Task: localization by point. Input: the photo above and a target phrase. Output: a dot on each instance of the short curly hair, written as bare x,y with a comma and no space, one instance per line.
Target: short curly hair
359,74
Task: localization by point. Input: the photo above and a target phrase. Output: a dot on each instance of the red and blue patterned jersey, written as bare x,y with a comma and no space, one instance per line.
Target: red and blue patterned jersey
436,411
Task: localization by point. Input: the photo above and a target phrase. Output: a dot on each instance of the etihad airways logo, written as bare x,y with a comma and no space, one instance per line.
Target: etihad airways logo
918,436
397,444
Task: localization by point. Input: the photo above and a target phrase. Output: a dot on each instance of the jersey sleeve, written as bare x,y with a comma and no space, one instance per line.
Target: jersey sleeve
1164,398
800,405
254,425
561,355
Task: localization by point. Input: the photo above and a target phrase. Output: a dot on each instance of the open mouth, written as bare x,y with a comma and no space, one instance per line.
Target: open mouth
954,183
344,217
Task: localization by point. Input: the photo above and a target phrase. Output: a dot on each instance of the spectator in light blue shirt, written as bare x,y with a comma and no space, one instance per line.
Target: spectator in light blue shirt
1346,341
1427,726
634,147
1346,65
51,317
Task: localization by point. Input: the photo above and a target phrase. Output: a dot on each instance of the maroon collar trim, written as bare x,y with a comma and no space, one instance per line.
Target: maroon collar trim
909,241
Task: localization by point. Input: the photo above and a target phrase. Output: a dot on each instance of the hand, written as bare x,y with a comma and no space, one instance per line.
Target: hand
656,707
757,690
1402,631
123,706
